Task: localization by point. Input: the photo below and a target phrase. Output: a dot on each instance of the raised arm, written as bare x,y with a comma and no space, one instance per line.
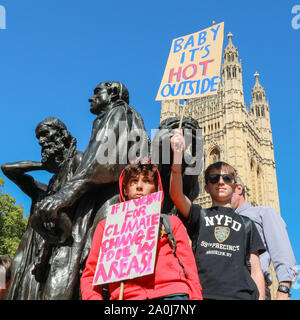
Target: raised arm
16,172
181,201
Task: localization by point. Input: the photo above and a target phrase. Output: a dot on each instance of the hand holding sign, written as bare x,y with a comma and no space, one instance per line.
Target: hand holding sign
177,141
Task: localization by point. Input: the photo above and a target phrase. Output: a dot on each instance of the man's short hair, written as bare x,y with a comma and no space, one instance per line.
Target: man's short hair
239,181
137,167
217,166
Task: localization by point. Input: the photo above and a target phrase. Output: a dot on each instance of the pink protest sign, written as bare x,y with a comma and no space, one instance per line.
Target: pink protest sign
129,241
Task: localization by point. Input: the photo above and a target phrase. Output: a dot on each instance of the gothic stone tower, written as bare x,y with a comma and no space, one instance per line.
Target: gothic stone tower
235,134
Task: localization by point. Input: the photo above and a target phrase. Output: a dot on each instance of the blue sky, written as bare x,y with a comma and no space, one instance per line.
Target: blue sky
53,54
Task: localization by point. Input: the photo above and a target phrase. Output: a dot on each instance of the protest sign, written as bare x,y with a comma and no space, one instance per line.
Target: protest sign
129,241
193,66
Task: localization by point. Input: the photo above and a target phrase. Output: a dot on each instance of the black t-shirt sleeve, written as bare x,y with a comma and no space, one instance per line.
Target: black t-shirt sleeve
192,223
256,242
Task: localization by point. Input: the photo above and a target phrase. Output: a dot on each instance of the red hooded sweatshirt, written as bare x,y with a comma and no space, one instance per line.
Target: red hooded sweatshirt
168,277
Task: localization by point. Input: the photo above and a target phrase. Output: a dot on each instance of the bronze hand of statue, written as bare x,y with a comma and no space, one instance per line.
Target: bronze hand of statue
53,225
48,208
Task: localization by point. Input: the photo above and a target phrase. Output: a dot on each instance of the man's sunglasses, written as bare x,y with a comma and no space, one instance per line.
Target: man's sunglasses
214,178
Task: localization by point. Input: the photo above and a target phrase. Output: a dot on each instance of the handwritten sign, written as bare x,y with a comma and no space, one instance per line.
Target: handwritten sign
193,66
129,241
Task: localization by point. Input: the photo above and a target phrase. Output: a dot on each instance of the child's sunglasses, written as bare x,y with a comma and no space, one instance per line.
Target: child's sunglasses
214,178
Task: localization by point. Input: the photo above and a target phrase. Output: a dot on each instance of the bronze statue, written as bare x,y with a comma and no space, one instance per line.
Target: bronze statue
64,214
110,104
59,156
67,214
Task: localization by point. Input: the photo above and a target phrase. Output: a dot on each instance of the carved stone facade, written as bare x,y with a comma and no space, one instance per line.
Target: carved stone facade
235,134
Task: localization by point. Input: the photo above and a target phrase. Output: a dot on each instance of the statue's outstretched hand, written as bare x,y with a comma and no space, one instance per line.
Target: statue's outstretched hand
55,227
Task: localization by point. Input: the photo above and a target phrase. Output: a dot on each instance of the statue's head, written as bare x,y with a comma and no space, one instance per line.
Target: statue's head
106,93
55,140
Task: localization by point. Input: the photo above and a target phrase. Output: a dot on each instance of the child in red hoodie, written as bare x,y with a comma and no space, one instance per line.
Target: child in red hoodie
170,280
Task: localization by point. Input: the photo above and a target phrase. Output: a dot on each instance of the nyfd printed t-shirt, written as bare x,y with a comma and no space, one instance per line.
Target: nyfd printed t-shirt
220,253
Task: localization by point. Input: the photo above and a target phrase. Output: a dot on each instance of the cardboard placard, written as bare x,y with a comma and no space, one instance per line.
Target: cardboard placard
193,66
129,241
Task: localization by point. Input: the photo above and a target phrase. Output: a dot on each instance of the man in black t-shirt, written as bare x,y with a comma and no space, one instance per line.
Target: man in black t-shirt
219,234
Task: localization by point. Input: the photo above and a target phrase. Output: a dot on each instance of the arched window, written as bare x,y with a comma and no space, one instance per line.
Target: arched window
214,156
228,73
234,72
257,112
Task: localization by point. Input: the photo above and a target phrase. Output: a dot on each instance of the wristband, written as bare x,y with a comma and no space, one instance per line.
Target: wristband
176,172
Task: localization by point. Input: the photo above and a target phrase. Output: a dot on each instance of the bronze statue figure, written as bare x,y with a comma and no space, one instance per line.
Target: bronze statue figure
110,104
64,214
59,156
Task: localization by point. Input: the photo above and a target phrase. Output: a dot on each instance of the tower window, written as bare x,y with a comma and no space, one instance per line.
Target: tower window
228,73
214,156
257,112
234,72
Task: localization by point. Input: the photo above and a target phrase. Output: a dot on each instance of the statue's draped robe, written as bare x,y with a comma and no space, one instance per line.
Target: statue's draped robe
91,189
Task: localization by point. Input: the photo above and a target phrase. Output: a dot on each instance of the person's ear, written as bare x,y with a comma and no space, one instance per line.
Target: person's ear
206,188
238,189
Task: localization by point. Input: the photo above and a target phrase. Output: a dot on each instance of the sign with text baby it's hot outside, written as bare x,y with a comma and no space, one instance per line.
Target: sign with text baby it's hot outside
193,66
129,241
